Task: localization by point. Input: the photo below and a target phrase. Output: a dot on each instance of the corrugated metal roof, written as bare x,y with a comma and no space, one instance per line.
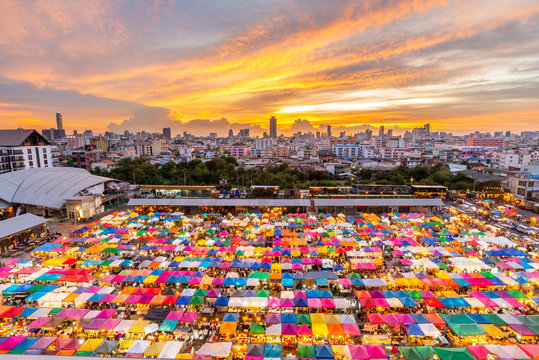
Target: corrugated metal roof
377,202
19,223
47,187
220,202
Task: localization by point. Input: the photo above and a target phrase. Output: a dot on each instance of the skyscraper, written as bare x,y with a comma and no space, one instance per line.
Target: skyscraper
426,127
273,127
329,131
381,132
59,125
166,133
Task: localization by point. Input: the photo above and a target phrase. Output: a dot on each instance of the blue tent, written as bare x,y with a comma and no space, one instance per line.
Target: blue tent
222,301
414,330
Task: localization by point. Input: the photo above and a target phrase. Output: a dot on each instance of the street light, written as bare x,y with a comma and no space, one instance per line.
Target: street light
77,209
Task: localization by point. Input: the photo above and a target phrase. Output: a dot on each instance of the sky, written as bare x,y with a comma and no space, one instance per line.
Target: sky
210,66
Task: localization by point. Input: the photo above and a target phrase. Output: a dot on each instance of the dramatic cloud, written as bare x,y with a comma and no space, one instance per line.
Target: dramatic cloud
147,65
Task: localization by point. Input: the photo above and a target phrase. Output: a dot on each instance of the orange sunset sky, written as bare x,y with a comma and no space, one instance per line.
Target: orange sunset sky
208,66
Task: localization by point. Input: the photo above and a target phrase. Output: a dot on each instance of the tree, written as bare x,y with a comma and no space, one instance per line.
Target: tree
365,174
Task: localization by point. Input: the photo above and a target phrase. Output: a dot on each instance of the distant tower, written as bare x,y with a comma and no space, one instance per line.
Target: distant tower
390,133
273,127
329,131
426,127
381,132
59,125
230,133
166,133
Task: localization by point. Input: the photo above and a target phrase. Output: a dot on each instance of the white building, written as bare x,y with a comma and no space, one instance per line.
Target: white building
350,151
263,143
24,149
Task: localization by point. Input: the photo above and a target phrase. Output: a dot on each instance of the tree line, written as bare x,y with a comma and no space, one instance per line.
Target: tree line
197,172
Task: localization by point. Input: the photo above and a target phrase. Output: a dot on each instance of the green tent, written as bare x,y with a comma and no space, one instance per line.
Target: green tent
34,289
263,293
256,328
487,274
306,352
410,353
259,275
457,353
415,294
168,325
457,319
196,300
517,294
494,319
303,319
200,292
111,251
426,351
467,329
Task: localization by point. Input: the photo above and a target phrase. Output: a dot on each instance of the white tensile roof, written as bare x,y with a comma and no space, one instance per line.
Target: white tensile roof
47,187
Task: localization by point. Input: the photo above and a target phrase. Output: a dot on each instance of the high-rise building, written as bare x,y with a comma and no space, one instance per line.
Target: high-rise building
244,133
381,131
230,133
368,133
59,125
426,127
389,132
273,127
329,131
166,133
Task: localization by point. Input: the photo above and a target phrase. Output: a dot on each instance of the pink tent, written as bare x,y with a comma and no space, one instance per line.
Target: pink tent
358,352
174,315
376,352
11,342
531,350
289,329
110,324
95,324
304,330
43,343
479,351
189,317
106,314
38,323
351,329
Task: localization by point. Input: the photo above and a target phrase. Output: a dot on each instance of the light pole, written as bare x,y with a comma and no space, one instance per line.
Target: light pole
77,209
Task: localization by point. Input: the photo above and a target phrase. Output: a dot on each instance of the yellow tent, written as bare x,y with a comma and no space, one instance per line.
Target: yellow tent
155,348
139,326
90,345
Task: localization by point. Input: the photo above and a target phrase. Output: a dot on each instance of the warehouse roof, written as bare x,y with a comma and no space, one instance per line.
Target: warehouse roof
47,187
220,202
19,223
377,202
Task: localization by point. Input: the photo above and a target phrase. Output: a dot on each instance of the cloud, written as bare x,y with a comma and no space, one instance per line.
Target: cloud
141,63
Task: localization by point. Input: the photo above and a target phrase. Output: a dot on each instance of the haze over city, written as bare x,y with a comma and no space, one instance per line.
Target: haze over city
213,66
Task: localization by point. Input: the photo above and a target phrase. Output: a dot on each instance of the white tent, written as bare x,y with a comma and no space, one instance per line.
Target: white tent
429,330
138,347
215,349
170,350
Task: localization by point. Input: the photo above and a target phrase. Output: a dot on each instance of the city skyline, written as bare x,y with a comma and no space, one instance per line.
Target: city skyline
209,66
